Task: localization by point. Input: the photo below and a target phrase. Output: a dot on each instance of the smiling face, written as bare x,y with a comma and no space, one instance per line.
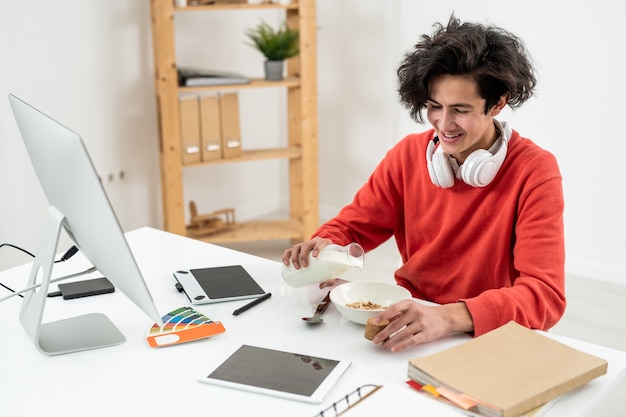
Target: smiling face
457,113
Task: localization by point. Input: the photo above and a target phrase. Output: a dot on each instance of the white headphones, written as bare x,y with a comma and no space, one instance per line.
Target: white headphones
479,168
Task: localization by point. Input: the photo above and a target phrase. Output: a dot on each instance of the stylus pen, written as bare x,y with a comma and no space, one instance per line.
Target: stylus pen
252,304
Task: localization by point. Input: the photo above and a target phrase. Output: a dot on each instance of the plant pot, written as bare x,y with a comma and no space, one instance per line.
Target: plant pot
274,70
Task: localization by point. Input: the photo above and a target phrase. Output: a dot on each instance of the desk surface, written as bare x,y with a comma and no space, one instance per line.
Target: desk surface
135,380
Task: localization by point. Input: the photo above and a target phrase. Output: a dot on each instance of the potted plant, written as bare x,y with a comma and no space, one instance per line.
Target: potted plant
276,45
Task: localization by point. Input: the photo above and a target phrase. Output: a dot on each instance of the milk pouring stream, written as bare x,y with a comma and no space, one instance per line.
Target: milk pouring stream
332,262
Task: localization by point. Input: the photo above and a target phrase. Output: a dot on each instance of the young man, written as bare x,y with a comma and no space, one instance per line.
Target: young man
475,208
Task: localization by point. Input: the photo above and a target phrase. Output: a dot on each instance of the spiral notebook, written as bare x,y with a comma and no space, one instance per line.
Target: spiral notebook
378,400
345,403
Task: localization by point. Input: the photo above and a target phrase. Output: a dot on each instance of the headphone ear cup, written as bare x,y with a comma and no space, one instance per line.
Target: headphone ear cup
430,150
438,164
481,166
443,170
439,167
478,170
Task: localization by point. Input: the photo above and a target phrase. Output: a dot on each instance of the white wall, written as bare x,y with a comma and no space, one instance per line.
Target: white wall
89,65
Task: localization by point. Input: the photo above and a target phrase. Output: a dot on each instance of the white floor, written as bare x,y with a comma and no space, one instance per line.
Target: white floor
596,311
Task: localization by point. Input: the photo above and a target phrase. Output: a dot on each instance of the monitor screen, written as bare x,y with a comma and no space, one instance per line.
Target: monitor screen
72,186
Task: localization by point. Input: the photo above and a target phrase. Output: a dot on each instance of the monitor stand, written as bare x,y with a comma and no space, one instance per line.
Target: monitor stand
89,331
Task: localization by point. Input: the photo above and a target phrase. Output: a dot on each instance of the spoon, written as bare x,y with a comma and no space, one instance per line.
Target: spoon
321,307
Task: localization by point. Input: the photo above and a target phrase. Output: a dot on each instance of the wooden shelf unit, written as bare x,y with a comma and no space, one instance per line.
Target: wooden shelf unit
301,152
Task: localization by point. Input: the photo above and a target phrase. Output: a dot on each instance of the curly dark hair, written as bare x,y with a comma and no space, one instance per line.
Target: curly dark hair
495,58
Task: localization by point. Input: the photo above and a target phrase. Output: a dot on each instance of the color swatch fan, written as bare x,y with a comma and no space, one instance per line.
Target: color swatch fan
183,325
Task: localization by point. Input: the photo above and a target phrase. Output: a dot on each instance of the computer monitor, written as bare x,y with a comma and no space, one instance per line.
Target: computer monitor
79,204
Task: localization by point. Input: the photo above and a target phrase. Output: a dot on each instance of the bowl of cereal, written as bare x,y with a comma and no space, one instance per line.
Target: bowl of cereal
359,300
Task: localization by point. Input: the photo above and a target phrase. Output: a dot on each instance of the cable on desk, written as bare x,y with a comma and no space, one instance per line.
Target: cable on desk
18,248
67,255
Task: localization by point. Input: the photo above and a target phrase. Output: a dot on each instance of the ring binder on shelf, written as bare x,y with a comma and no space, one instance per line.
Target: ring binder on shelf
190,128
350,400
210,127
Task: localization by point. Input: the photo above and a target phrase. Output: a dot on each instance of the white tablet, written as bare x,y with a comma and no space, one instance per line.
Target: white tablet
268,371
216,284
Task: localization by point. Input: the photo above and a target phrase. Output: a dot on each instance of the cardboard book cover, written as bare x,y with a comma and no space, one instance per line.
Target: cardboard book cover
506,372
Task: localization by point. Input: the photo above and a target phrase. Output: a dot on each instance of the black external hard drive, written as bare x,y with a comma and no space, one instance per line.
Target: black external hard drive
86,288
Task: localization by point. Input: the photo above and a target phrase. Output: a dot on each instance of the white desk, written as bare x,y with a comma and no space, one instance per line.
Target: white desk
135,380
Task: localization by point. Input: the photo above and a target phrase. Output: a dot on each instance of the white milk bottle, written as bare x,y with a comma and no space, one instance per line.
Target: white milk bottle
332,261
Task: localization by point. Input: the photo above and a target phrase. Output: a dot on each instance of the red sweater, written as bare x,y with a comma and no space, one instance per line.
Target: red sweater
500,249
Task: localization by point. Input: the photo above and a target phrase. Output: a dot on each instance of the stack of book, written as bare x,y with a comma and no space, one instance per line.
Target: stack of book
507,372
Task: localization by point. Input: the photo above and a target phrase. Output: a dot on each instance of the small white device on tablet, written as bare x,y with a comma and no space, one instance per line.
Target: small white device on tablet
216,284
268,371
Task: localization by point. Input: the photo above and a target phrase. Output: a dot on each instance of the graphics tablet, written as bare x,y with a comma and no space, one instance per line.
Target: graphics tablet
216,284
274,372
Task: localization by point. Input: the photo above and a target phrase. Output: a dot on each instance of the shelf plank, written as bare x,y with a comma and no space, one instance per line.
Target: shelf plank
254,155
256,230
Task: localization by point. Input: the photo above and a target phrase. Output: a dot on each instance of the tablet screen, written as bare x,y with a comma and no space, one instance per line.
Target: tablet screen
275,372
226,282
